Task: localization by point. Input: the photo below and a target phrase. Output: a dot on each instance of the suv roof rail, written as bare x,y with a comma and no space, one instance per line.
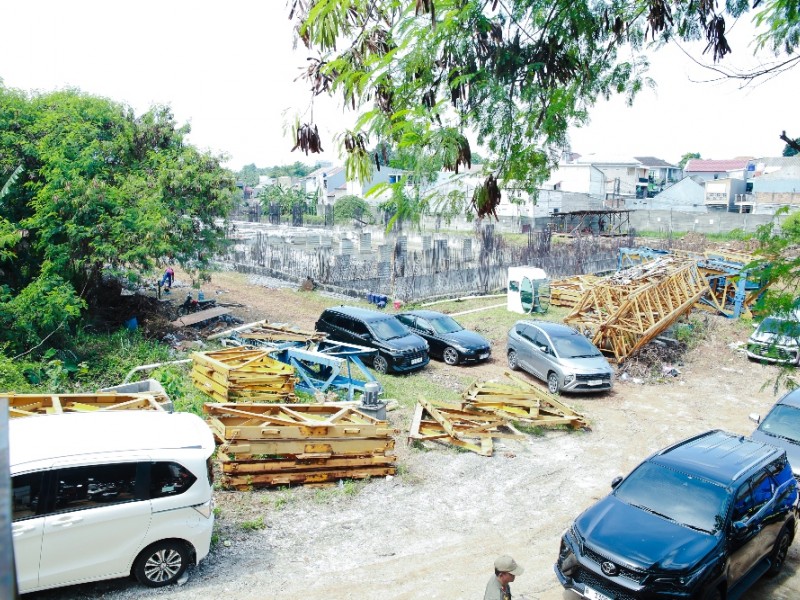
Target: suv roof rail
721,460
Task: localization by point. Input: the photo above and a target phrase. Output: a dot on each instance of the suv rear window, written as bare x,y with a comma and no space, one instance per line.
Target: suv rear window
169,479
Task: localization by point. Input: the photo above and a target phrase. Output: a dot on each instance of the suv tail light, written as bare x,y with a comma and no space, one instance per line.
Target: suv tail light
206,508
210,469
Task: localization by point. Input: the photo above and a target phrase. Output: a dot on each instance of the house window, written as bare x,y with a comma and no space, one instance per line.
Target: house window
394,178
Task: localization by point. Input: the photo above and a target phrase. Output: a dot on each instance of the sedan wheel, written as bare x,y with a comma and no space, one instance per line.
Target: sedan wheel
552,383
513,362
161,564
450,356
380,364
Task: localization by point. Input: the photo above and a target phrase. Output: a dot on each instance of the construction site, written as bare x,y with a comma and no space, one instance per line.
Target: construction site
333,481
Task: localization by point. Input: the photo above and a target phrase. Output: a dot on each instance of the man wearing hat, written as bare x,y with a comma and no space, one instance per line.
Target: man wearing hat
506,570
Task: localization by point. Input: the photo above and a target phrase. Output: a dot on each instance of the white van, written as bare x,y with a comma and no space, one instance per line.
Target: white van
109,494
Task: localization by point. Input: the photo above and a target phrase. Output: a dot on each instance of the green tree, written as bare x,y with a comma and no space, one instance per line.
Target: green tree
249,174
791,149
686,158
101,191
347,208
517,73
297,169
288,198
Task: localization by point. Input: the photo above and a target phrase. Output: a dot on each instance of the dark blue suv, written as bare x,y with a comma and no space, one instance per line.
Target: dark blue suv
702,519
398,349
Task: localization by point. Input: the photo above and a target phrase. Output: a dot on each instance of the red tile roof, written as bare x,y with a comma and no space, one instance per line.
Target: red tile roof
699,165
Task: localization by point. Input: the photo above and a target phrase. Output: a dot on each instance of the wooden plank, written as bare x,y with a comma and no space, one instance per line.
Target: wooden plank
415,422
292,413
247,481
298,432
295,447
238,467
200,316
60,403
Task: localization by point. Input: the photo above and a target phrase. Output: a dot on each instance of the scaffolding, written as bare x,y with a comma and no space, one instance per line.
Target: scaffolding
578,223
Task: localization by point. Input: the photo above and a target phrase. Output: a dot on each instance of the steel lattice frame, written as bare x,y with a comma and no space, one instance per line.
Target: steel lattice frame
627,310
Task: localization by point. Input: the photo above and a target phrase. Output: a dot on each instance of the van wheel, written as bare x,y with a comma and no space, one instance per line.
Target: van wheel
380,364
513,361
552,383
161,563
778,558
450,356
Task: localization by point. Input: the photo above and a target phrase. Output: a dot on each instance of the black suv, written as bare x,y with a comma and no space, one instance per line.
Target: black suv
398,349
702,519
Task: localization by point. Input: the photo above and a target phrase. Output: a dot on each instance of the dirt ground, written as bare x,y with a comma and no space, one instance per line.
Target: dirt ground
434,530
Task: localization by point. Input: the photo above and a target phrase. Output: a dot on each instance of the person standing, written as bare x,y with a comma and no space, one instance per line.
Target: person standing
168,278
506,570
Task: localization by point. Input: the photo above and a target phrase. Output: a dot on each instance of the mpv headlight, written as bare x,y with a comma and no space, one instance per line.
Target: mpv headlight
569,378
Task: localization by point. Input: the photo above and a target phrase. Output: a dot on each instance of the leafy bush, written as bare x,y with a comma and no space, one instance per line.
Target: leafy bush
47,305
314,219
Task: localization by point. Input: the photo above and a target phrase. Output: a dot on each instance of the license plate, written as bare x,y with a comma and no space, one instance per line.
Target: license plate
484,355
594,594
416,361
595,382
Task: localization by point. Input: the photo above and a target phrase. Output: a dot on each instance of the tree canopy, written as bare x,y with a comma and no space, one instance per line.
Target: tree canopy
288,198
348,208
90,190
686,158
427,75
249,174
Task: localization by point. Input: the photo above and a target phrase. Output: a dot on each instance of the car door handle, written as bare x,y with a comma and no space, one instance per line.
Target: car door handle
65,521
20,528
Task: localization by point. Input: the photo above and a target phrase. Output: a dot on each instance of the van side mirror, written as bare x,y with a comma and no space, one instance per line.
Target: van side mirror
755,417
544,349
616,481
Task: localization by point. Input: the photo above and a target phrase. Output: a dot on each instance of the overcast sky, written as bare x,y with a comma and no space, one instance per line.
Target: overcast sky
229,69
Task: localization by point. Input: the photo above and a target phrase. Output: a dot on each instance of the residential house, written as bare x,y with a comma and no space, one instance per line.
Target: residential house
779,186
581,178
323,181
724,180
687,195
362,190
660,174
625,178
706,169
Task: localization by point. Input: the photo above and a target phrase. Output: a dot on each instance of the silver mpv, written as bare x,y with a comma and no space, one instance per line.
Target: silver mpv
559,355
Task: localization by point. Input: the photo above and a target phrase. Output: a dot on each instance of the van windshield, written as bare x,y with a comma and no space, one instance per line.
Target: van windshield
780,327
574,345
388,329
783,421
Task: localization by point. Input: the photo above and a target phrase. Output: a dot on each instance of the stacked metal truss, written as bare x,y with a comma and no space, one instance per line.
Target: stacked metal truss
623,312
